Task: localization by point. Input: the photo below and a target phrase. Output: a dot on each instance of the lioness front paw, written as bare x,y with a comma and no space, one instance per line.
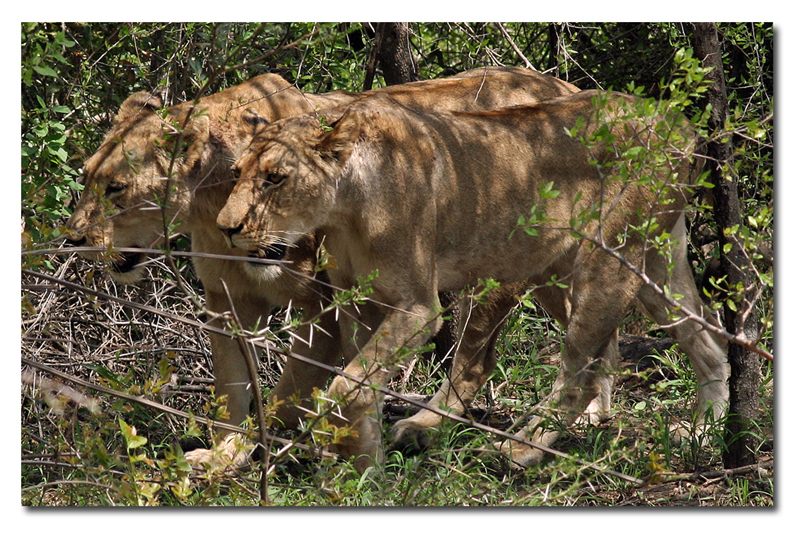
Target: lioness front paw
520,456
406,435
364,445
594,415
680,433
231,451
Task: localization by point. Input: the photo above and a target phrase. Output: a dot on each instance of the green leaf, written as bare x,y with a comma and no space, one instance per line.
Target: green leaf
45,71
547,191
634,151
132,440
533,232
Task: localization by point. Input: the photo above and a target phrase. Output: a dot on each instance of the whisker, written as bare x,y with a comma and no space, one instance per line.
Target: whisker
285,238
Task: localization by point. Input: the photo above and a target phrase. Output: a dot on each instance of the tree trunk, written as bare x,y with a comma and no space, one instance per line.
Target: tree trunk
745,366
552,46
392,50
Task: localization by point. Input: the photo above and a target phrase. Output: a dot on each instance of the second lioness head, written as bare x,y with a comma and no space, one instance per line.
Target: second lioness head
285,186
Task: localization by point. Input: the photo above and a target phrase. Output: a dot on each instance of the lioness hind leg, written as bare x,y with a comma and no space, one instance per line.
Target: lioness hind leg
599,409
707,352
556,301
602,293
578,393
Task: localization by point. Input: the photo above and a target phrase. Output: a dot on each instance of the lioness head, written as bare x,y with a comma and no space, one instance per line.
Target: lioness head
285,187
158,168
126,184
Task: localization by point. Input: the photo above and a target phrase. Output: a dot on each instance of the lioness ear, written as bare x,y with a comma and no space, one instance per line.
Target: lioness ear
196,135
252,119
338,143
136,103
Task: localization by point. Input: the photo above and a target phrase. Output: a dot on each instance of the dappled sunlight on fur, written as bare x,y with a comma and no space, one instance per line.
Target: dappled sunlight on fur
430,201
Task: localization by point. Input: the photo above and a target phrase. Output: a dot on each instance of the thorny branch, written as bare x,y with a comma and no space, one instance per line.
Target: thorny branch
250,360
156,405
261,342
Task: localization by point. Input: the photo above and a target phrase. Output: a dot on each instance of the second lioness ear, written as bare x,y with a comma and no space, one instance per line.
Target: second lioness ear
196,136
136,103
338,143
254,121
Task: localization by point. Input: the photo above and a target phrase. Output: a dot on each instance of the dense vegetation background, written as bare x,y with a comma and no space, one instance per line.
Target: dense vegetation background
78,445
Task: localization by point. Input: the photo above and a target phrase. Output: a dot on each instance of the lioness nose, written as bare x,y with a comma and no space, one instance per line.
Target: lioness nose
230,232
76,240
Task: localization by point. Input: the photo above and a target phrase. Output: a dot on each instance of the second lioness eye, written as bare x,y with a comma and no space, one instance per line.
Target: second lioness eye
273,178
114,188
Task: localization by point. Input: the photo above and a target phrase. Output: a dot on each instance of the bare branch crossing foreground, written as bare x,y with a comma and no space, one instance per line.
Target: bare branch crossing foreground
262,343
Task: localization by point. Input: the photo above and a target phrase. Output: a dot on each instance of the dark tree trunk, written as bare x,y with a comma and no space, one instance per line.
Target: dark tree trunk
552,46
745,366
392,50
394,55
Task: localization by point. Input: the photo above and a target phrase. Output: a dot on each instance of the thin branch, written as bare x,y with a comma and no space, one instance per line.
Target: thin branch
741,338
250,361
665,477
127,303
260,59
372,61
508,38
159,406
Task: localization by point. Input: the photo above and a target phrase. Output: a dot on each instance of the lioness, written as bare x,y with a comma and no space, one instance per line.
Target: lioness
432,202
126,185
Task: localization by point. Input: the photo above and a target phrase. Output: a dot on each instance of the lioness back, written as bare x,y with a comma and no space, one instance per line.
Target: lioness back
462,180
479,89
522,149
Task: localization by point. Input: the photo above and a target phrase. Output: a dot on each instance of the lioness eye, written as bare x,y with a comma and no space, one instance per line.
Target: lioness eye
114,188
274,178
